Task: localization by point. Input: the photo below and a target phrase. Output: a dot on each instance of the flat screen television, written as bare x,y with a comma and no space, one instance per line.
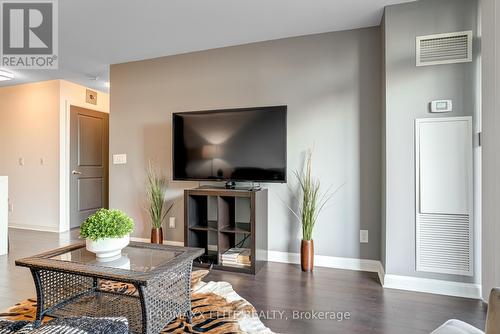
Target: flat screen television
246,144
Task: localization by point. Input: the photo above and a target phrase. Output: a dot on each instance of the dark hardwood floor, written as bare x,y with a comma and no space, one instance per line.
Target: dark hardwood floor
280,289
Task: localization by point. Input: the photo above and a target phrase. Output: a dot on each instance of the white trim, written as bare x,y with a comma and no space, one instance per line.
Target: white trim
52,229
4,215
328,261
165,242
381,274
64,209
440,287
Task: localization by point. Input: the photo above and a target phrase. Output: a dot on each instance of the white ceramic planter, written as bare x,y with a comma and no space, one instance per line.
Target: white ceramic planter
109,247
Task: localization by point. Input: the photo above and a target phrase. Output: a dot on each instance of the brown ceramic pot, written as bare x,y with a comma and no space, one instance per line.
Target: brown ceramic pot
157,235
307,255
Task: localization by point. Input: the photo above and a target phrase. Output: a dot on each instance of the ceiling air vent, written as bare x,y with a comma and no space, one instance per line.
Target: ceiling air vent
448,48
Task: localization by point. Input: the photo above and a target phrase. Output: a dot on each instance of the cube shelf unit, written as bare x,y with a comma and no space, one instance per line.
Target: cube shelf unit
218,219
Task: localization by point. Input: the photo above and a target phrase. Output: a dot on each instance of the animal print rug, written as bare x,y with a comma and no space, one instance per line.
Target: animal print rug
217,308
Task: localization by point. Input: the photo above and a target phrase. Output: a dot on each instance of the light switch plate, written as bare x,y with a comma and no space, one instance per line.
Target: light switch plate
363,236
119,159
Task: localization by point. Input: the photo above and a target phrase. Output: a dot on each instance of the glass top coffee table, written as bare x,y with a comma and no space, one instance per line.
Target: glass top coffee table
67,282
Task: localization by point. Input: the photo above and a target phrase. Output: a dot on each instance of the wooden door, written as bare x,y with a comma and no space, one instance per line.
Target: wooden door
89,165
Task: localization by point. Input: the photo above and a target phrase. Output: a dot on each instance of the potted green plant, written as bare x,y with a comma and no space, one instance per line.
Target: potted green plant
311,203
107,232
156,187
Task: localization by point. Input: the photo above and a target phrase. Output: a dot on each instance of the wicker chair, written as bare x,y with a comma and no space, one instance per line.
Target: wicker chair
492,321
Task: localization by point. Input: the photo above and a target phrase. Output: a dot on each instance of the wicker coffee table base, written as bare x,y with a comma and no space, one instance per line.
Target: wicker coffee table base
163,299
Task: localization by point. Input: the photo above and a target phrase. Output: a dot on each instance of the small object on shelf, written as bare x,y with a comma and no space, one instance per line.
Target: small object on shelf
232,253
244,257
236,265
237,257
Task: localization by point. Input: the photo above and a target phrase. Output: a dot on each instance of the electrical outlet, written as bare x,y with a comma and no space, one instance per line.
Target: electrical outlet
42,162
171,222
11,207
363,236
21,161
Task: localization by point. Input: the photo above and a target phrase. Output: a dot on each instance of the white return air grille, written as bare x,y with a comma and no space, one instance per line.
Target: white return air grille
444,244
444,202
444,48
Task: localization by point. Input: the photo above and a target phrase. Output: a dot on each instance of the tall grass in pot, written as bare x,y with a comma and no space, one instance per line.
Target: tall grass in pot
312,201
157,208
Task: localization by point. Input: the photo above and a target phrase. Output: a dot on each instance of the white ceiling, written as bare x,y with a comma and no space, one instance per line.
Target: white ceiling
96,33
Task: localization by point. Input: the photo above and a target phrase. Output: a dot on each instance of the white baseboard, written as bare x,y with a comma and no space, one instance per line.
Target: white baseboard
381,273
440,287
53,229
165,242
328,261
448,288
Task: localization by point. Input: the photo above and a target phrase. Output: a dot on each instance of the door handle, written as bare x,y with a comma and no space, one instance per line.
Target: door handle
75,172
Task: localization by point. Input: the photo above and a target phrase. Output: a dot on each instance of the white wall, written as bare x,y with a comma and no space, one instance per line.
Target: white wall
490,47
29,130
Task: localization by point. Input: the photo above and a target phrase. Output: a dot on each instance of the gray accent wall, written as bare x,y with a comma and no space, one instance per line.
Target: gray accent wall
331,84
408,91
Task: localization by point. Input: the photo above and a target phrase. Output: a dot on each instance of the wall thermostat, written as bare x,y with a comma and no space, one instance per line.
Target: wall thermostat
441,106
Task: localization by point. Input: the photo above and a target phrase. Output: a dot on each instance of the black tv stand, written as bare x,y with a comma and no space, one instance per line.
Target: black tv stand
218,219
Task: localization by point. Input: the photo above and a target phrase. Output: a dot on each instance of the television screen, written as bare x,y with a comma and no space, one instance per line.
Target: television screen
246,144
